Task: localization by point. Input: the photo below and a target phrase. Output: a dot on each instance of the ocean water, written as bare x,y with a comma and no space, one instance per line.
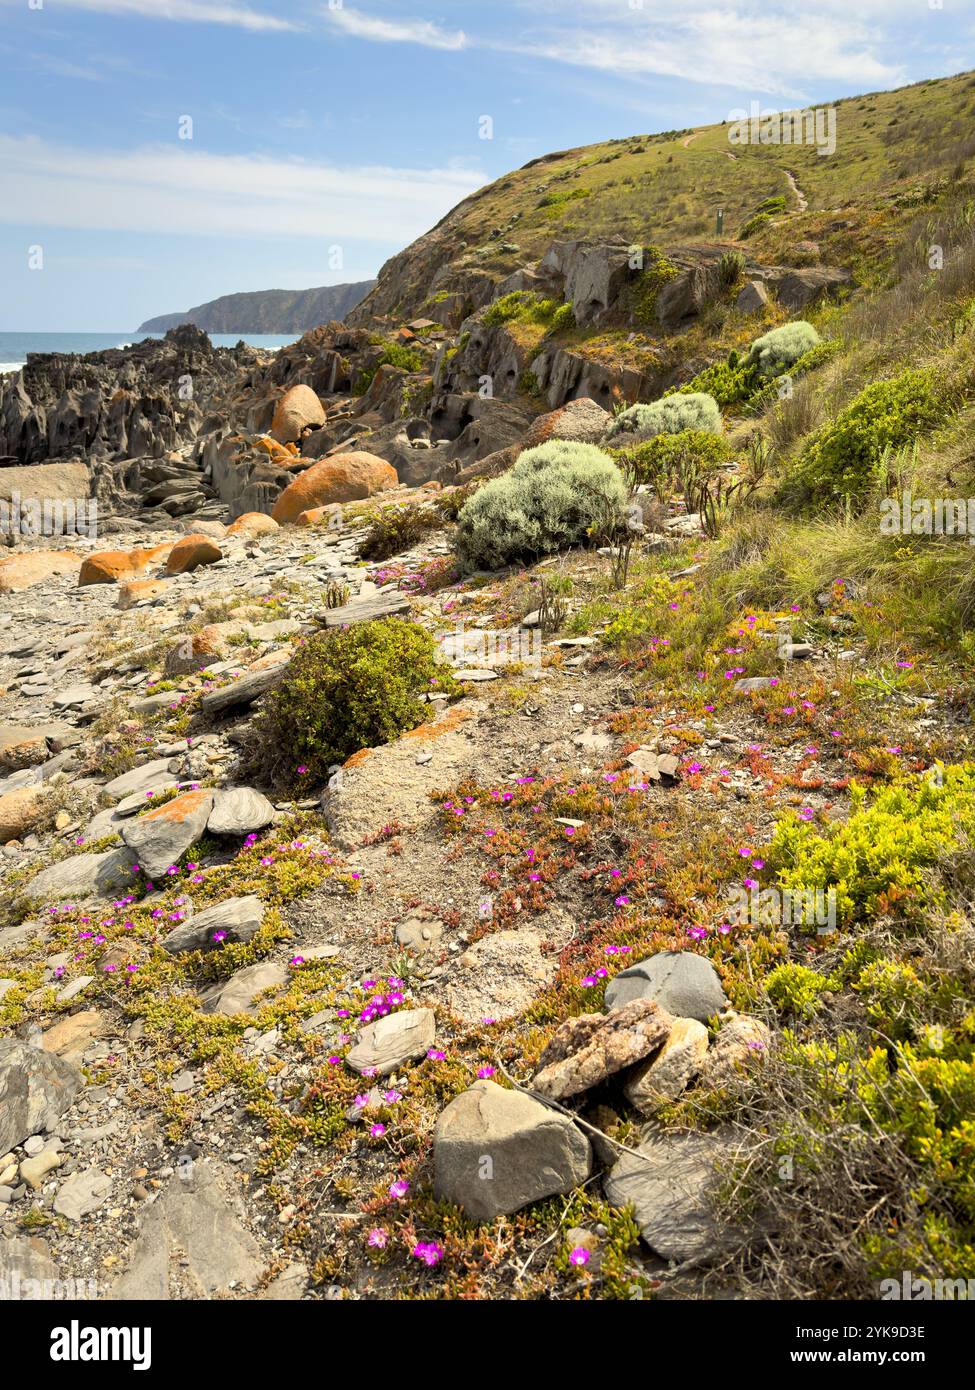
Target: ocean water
14,347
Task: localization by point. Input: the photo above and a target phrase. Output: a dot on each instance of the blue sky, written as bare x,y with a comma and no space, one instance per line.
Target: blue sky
326,134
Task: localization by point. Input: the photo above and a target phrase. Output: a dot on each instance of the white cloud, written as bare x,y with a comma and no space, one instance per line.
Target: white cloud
185,192
419,31
184,11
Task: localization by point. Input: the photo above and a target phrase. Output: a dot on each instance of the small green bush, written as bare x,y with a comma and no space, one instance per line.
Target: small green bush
658,461
393,529
730,269
775,352
552,498
521,306
796,990
640,300
671,415
883,860
842,459
343,691
754,224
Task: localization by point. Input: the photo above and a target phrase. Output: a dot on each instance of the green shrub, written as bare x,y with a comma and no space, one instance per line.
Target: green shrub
730,269
393,529
842,459
640,300
729,382
796,990
552,497
398,355
343,691
521,306
754,224
884,858
659,461
776,203
775,352
671,415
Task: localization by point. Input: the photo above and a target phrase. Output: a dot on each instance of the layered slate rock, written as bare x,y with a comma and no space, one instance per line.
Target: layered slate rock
84,876
158,838
587,1049
36,1088
239,811
683,983
194,1242
394,1040
496,1151
239,994
671,1182
234,921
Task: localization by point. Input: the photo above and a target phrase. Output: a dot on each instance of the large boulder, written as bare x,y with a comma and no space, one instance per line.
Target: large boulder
796,289
683,983
239,811
19,572
298,410
158,838
192,552
496,1151
36,1089
251,525
341,478
116,566
587,1049
582,421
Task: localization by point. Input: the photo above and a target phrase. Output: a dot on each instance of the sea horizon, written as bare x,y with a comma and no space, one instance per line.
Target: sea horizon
14,347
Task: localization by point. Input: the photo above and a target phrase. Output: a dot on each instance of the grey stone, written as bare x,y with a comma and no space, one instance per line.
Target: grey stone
239,811
198,1219
160,837
749,684
683,983
82,1194
670,1182
36,1088
26,1267
84,876
532,1152
148,777
239,918
752,298
393,1040
237,995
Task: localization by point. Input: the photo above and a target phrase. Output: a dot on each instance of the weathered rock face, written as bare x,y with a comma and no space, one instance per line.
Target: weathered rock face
495,1151
591,1047
122,403
36,1089
19,572
158,838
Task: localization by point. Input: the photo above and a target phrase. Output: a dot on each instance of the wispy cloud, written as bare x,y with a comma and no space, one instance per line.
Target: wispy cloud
185,11
195,193
417,31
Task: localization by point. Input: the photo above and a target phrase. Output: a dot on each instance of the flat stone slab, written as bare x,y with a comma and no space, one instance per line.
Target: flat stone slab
671,1182
394,1040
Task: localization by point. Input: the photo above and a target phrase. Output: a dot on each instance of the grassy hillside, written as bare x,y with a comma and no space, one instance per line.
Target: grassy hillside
667,189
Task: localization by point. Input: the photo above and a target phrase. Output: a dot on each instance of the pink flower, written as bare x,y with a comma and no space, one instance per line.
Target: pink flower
579,1256
485,1072
399,1188
429,1252
377,1131
378,1238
